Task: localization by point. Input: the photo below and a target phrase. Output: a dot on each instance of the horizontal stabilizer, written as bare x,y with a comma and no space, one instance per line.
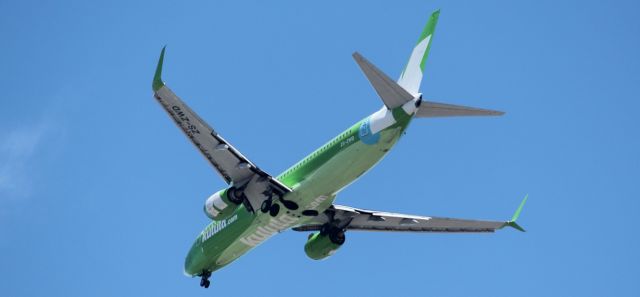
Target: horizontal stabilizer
434,109
392,94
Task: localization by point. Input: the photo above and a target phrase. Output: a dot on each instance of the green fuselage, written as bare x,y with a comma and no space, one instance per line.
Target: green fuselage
315,181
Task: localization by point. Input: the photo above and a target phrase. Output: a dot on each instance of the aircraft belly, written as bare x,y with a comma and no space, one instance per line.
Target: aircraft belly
317,191
262,229
347,166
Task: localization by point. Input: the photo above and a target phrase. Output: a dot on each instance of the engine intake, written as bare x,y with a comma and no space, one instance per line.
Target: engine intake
219,205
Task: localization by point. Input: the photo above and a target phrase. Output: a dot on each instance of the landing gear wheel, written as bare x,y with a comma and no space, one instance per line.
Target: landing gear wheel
204,281
266,206
337,237
275,209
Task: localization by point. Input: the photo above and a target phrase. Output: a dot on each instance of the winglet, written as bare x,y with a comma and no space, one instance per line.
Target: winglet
157,78
512,223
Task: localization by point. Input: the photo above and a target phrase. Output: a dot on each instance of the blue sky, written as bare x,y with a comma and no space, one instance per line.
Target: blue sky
101,195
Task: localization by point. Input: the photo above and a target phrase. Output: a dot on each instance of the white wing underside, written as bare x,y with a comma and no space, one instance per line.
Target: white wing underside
350,218
232,166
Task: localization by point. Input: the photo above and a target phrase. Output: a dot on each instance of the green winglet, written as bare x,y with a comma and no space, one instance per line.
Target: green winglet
512,223
157,79
515,226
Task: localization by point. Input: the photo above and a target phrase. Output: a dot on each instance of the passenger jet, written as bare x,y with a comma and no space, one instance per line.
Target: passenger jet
257,205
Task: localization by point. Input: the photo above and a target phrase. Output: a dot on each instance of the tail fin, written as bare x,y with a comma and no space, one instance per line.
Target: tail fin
407,88
411,76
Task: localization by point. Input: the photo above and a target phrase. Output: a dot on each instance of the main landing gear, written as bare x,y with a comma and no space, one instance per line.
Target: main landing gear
336,235
273,208
268,206
204,281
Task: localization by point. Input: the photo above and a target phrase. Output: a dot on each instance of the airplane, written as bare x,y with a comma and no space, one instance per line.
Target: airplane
256,205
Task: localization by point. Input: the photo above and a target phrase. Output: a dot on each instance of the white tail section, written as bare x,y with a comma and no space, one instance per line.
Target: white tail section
411,76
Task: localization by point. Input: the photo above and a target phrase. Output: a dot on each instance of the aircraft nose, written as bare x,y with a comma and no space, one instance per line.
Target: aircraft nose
187,265
190,262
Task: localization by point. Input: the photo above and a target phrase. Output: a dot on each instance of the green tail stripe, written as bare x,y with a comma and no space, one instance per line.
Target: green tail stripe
157,78
429,29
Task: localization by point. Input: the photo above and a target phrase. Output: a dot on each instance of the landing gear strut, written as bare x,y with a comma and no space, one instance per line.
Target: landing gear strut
204,281
335,228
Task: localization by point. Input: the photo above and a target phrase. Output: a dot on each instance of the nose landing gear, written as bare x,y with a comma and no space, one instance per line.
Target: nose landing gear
204,281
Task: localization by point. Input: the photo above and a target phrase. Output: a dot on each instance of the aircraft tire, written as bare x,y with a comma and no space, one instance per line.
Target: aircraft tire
337,237
275,209
266,206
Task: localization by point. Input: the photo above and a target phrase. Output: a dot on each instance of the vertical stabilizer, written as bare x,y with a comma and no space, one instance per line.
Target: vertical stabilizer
411,76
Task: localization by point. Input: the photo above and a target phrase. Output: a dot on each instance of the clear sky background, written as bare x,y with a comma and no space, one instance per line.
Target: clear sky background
101,195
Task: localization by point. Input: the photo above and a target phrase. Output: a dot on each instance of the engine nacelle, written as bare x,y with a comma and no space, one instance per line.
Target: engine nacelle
218,206
320,246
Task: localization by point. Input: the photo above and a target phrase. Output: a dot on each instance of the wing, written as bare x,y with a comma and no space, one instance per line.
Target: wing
349,218
234,167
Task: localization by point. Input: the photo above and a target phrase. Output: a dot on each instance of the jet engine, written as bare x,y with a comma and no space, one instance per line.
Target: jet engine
320,246
222,203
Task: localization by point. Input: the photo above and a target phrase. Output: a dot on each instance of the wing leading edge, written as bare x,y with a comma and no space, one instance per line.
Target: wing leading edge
349,218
